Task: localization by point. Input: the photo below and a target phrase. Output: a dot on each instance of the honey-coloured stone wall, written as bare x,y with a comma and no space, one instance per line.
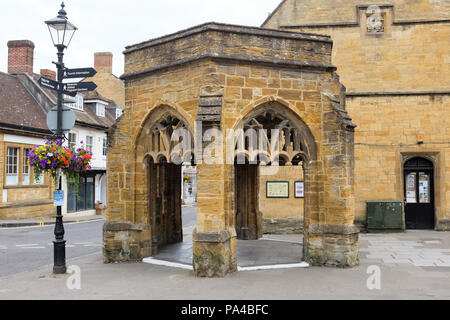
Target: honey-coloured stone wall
383,146
397,82
24,201
282,216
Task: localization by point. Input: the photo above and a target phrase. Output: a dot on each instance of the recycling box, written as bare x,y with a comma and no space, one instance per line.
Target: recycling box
384,215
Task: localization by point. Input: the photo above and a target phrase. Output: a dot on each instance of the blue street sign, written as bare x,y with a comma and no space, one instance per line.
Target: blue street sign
58,198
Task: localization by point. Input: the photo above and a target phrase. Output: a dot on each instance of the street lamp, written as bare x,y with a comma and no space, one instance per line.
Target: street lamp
61,31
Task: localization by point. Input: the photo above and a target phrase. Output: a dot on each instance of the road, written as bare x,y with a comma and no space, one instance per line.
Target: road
189,217
28,249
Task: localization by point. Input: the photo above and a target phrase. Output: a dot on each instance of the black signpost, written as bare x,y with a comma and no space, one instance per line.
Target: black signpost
62,31
79,73
48,83
79,87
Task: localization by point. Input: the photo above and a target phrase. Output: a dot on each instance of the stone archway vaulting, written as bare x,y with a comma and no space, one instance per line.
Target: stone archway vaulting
281,108
165,132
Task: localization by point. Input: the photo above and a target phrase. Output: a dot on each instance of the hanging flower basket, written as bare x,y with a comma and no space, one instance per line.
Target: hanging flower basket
53,156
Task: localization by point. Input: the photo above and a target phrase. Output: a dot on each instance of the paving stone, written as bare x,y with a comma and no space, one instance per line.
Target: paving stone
390,261
403,261
442,264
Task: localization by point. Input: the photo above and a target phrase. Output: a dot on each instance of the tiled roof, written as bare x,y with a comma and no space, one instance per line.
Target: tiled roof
18,107
86,117
94,95
24,105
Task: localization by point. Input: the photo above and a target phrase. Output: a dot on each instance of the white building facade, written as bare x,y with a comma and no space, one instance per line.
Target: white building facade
94,117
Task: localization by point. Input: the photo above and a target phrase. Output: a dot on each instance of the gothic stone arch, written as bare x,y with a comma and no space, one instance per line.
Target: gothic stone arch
163,145
271,135
219,76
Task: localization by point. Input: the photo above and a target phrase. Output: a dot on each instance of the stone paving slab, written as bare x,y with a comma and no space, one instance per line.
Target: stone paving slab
250,253
399,280
411,248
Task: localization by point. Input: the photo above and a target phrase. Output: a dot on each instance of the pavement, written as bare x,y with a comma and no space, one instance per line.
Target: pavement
270,250
31,223
411,265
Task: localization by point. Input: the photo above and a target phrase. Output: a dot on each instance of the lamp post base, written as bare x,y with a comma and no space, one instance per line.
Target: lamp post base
59,250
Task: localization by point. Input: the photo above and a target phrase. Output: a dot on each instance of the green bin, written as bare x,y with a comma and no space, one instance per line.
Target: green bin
384,215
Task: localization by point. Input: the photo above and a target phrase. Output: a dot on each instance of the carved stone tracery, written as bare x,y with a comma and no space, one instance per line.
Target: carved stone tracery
257,140
169,140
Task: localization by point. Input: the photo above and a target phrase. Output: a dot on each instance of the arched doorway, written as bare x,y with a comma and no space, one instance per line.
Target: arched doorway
166,145
272,138
165,203
419,194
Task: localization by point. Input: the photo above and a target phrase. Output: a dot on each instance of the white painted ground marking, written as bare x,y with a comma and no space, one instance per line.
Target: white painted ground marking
279,240
3,247
167,264
276,266
32,247
255,268
93,245
27,245
268,238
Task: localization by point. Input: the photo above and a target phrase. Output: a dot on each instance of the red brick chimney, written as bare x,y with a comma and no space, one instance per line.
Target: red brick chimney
20,56
48,73
103,62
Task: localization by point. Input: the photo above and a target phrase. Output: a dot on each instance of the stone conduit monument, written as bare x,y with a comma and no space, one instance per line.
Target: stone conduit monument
223,77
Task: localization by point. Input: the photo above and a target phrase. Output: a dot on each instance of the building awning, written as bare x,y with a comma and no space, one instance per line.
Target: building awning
96,171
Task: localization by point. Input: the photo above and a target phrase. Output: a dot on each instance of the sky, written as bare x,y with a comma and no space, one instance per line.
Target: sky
111,25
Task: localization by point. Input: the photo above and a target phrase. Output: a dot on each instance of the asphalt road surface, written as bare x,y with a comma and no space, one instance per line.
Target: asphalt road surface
30,248
189,217
27,249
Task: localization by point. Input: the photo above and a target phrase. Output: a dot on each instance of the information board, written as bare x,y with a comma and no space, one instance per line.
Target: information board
277,189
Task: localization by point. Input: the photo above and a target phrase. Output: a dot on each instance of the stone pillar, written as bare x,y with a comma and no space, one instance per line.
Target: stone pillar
214,238
331,238
127,231
126,242
214,241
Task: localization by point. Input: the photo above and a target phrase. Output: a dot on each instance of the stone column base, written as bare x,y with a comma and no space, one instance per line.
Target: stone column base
214,253
282,226
443,225
126,242
332,246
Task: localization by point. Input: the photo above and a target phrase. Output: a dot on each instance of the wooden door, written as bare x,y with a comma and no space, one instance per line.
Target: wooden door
248,224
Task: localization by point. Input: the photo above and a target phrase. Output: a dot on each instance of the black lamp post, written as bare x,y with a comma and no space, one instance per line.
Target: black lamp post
61,31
